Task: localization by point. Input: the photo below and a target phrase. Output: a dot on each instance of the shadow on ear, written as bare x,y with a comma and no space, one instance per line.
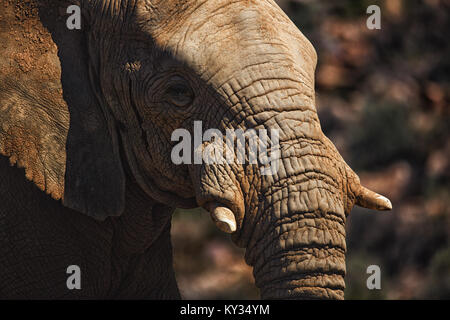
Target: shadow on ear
72,149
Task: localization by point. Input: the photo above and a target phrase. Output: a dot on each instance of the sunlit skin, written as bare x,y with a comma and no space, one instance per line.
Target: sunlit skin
89,114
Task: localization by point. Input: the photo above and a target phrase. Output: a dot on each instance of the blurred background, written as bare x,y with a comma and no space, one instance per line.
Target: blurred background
383,99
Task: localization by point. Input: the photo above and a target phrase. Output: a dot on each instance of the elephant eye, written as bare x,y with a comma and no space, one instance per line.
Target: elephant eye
179,93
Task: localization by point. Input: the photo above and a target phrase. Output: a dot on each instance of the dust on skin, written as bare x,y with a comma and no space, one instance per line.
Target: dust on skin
29,58
25,40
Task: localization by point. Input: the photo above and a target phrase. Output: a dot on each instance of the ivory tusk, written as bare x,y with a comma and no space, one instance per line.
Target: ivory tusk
371,200
223,217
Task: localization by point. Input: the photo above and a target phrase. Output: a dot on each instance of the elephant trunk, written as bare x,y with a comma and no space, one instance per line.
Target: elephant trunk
302,253
298,247
297,244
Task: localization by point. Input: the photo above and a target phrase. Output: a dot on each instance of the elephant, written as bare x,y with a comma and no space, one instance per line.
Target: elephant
87,117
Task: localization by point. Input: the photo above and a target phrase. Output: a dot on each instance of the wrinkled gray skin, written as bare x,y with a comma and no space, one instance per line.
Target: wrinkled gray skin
89,115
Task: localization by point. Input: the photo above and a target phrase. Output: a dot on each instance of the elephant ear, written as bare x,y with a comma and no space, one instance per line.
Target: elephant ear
52,122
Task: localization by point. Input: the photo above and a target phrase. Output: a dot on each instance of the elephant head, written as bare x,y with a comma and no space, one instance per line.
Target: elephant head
85,110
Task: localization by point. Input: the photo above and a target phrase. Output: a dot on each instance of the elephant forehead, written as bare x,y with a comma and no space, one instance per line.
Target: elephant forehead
218,38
